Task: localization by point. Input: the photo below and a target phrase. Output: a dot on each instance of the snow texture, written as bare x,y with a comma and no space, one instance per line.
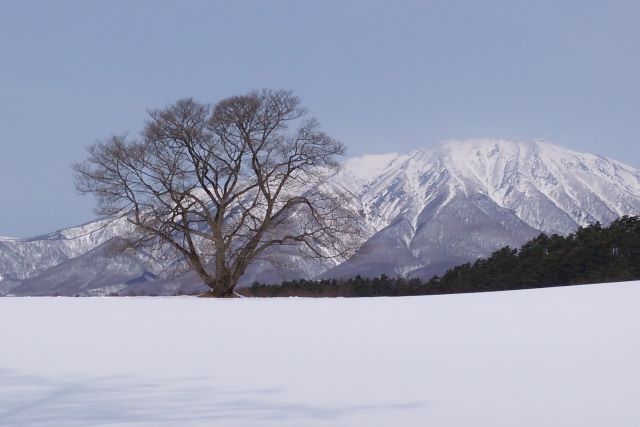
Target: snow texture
548,357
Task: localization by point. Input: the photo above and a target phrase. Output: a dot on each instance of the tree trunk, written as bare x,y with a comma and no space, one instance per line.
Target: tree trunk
220,292
226,293
222,287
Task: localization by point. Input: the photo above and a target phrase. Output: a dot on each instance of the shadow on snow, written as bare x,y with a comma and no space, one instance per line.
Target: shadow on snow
27,400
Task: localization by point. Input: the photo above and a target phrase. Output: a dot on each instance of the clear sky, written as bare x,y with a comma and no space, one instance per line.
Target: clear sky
380,75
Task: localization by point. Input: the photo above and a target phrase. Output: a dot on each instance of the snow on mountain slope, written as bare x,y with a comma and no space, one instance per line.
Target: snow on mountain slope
531,177
461,200
419,213
545,357
516,175
370,166
24,258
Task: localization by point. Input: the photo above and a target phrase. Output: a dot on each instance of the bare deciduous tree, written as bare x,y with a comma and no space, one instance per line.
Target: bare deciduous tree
223,184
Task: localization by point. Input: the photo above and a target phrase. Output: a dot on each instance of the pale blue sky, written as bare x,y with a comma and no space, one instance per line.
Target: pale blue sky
380,75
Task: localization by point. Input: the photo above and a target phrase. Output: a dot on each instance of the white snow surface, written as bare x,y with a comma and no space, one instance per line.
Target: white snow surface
548,357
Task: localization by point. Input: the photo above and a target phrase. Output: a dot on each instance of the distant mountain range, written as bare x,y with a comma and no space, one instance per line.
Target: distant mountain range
420,213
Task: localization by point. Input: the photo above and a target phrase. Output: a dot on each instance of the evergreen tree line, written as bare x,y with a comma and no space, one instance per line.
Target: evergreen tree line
593,254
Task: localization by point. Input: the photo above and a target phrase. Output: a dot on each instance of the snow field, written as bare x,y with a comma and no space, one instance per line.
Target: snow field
560,356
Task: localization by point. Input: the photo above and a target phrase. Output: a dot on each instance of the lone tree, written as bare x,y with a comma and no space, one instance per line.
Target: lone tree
224,184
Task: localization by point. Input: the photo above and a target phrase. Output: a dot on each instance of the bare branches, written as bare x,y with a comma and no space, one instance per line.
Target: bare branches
223,184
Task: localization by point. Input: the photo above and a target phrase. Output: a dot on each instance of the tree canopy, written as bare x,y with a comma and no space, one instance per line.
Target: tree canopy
222,184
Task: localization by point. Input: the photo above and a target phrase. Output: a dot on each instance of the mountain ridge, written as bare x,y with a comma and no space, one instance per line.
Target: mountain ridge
422,212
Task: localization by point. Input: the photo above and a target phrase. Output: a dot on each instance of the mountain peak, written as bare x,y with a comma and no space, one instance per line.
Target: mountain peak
530,177
418,213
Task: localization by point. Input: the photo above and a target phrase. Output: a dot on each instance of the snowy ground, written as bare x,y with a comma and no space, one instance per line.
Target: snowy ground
554,357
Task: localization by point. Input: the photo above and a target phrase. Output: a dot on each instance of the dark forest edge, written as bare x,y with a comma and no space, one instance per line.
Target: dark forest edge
593,254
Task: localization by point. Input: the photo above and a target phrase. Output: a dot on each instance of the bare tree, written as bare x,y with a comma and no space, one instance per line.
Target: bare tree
223,184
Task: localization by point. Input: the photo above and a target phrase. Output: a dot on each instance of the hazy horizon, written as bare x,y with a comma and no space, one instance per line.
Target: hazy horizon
380,76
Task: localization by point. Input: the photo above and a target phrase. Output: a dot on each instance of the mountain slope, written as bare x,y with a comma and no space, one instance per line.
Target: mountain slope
420,213
465,199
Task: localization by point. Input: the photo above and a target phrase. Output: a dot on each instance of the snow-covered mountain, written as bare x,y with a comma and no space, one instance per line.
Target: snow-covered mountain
421,213
433,208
